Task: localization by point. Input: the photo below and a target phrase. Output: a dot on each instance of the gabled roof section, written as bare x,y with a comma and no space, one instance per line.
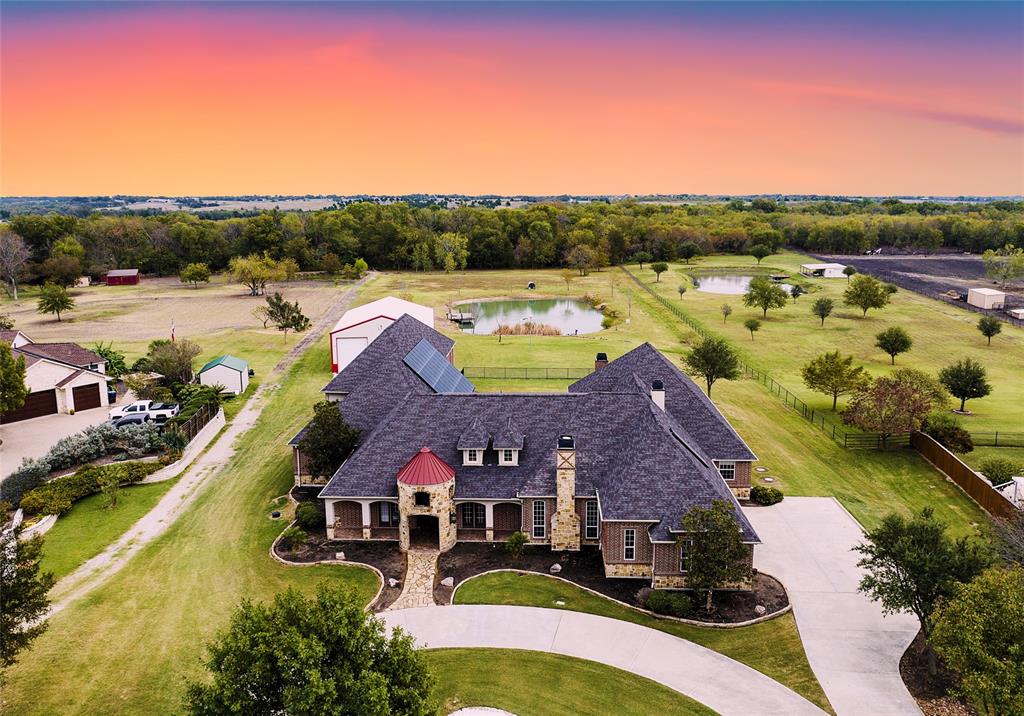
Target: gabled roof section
69,353
388,307
425,468
509,437
474,437
684,399
228,361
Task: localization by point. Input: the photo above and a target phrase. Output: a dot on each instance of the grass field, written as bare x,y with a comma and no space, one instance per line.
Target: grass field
511,680
772,647
128,646
790,337
89,527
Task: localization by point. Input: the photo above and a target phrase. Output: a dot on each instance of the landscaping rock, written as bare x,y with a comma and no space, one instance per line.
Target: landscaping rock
392,582
340,556
760,610
448,582
555,568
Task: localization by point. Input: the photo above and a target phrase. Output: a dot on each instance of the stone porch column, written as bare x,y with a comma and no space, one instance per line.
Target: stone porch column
489,521
366,519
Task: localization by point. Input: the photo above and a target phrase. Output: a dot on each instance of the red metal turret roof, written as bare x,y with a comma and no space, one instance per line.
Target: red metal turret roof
426,468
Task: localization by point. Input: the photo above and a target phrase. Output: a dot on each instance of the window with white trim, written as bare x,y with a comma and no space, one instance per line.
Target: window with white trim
388,514
472,457
508,457
539,519
474,515
684,555
728,470
629,545
591,522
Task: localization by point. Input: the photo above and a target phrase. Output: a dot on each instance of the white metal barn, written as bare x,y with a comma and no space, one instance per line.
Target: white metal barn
228,371
360,326
986,298
823,270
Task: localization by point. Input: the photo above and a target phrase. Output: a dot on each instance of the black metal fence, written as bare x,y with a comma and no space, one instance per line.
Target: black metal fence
999,438
521,373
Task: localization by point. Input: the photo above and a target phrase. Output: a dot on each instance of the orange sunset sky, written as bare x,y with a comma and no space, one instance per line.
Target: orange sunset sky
206,99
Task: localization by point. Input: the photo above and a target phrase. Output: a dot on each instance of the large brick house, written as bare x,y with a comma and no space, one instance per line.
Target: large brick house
615,462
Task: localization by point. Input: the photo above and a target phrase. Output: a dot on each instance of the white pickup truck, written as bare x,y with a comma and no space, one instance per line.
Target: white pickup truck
158,412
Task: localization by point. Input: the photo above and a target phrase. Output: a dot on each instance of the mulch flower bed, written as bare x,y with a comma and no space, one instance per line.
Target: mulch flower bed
385,556
467,559
931,693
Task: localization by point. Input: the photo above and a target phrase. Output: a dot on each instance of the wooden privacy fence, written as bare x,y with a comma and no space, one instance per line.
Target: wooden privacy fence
191,427
976,487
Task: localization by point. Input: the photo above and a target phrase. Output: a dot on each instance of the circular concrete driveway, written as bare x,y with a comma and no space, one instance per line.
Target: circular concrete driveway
714,680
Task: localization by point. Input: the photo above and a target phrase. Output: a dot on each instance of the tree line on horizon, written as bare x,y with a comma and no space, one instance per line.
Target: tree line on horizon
581,236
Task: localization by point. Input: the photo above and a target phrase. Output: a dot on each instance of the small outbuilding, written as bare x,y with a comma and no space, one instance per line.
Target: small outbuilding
228,371
1017,313
986,298
121,277
823,270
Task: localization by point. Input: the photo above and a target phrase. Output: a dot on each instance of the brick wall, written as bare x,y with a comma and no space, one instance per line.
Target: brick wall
348,514
507,517
528,518
581,510
612,542
666,566
743,470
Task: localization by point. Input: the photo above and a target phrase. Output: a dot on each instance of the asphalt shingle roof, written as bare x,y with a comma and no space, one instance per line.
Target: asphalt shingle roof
70,353
684,399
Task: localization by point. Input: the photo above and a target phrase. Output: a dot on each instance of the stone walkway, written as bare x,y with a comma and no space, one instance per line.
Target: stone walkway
418,590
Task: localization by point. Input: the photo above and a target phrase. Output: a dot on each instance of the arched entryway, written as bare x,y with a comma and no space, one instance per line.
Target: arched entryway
424,531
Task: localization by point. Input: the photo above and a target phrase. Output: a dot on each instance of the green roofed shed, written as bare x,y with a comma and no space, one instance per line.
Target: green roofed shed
227,371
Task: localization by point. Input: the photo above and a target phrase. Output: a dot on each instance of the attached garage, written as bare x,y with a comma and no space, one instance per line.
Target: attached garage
36,405
86,397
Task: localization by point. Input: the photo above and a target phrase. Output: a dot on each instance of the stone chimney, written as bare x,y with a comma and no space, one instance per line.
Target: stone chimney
601,361
565,524
658,393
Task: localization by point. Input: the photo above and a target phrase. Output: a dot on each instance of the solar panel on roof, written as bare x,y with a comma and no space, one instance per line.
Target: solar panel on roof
435,370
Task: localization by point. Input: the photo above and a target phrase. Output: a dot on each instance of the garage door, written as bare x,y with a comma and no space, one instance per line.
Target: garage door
36,404
86,396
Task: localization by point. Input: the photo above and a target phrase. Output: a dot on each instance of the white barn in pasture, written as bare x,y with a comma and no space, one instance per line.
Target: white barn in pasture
986,298
360,326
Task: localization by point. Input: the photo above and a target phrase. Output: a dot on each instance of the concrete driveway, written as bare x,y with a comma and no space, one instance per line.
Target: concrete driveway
852,647
725,685
34,438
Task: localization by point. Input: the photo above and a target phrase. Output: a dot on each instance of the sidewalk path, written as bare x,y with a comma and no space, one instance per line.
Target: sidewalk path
714,680
155,522
420,571
852,647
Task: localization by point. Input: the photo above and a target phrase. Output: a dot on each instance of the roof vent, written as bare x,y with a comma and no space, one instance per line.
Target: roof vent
565,442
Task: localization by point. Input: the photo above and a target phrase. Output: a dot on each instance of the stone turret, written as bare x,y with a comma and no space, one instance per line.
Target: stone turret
565,524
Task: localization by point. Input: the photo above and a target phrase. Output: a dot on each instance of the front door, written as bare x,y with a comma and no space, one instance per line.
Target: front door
424,530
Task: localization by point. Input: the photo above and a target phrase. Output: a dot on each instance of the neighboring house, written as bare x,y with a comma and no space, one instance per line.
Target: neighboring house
823,270
228,371
986,297
121,277
614,463
360,326
61,377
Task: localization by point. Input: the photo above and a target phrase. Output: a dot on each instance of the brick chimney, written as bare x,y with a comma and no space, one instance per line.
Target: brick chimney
658,393
601,361
565,524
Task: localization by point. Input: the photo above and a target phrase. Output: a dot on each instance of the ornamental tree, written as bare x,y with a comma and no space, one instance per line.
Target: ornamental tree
796,292
753,325
713,358
14,255
659,267
195,274
255,271
23,589
13,390
849,271
286,315
174,360
54,299
965,379
822,308
764,294
866,292
320,656
713,544
894,340
833,374
328,440
990,326
760,251
887,406
726,310
979,633
912,564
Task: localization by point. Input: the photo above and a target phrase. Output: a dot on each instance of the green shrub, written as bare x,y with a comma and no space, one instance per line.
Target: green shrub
515,543
945,428
674,604
57,496
1000,470
764,495
293,537
309,516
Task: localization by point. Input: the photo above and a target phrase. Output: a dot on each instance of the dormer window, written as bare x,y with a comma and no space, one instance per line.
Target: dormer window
508,457
472,457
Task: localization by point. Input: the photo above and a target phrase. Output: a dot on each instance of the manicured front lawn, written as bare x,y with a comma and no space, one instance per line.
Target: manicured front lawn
129,646
772,647
539,684
89,527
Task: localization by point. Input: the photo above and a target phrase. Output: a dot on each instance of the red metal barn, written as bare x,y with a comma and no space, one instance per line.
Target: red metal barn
122,277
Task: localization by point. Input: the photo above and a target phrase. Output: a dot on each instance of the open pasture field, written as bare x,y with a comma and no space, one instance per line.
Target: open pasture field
791,336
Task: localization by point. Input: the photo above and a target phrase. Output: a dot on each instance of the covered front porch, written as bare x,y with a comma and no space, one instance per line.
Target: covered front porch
379,519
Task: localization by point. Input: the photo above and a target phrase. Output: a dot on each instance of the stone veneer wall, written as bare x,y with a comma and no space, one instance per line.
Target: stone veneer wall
442,506
741,485
666,568
565,527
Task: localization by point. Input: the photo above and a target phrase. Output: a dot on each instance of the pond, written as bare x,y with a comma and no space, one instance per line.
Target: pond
732,284
568,315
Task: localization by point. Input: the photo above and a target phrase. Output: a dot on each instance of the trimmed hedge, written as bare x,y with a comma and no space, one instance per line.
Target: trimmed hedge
762,495
57,496
674,604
